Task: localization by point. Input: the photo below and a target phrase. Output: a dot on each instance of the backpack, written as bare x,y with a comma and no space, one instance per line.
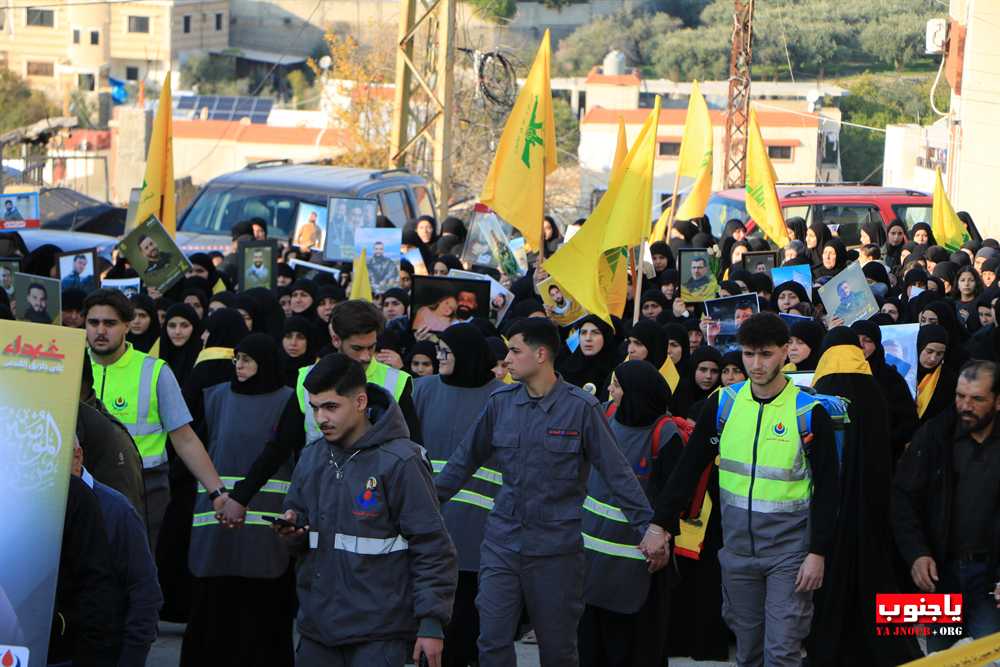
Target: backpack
682,425
835,406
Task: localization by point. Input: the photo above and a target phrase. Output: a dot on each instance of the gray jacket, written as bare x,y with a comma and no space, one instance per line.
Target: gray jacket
383,563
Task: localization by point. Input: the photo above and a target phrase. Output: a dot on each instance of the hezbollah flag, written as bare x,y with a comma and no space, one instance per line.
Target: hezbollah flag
157,196
695,161
526,154
614,275
361,285
621,220
949,230
762,197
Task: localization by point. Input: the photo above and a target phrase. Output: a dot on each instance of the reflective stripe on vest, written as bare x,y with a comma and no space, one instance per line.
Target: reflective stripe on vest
603,510
369,546
387,377
611,548
270,486
253,518
762,466
473,498
485,474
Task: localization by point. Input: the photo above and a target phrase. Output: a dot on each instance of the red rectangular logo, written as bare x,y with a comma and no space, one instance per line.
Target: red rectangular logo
923,608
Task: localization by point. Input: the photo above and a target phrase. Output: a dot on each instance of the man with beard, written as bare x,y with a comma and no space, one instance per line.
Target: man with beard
946,503
38,303
382,271
701,285
158,260
468,304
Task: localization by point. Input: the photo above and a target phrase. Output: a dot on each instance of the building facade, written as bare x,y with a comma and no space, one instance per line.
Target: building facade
63,46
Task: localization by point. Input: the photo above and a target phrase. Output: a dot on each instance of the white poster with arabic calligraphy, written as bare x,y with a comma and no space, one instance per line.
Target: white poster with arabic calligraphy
40,372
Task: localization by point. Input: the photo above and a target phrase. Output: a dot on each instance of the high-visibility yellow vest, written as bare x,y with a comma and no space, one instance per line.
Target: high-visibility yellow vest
128,390
391,379
762,466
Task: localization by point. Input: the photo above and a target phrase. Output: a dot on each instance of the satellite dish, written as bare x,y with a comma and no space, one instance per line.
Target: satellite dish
813,97
325,63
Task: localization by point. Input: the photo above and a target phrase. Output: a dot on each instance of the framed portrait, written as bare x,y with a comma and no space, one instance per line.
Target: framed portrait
310,227
38,299
344,216
562,308
698,283
437,302
488,245
725,316
761,261
154,255
130,287
501,298
900,344
847,297
8,267
19,210
258,266
77,270
382,254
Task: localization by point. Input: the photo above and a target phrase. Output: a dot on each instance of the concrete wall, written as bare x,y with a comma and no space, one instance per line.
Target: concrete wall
906,149
975,165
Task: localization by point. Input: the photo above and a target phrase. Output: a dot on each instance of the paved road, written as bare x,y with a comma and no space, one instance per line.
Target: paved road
167,650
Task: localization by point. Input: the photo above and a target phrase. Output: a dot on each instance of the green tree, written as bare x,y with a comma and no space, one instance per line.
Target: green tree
567,131
494,10
897,41
21,105
637,35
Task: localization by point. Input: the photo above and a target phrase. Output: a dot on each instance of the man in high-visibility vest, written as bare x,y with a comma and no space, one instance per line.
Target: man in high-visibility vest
778,493
142,393
354,329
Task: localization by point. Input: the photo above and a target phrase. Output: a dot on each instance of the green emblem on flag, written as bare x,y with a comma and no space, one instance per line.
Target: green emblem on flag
531,137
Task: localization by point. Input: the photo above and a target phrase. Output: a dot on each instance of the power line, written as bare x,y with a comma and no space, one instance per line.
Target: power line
816,115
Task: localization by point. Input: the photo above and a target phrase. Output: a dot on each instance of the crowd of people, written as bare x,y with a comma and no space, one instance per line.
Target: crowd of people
249,462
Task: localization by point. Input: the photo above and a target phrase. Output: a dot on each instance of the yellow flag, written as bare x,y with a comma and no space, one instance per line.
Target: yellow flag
621,220
949,230
157,196
695,161
762,197
614,281
526,154
361,285
670,374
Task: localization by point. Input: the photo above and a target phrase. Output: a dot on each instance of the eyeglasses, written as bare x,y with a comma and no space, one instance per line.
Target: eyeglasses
443,353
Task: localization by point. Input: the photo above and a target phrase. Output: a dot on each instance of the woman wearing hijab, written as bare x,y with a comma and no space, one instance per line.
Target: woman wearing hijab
832,260
942,312
197,299
626,607
447,405
734,258
221,300
895,239
296,348
902,411
552,236
678,351
411,239
804,345
788,294
180,340
670,281
244,593
594,358
270,317
706,376
144,329
647,342
816,237
796,229
444,264
860,563
733,370
922,234
653,304
303,301
936,379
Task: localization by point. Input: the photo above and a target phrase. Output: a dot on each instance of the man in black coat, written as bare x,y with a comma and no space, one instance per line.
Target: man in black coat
946,502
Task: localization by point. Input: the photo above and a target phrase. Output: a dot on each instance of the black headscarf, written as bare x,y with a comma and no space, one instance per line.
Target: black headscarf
291,365
811,333
797,226
426,348
144,342
957,335
552,244
677,332
680,402
823,235
651,335
309,287
655,295
927,228
704,353
269,376
205,262
226,328
181,359
840,249
789,286
645,394
269,313
227,299
197,293
579,370
474,360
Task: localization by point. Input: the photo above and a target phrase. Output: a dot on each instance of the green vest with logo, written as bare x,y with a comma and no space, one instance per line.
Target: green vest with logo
391,379
762,466
127,388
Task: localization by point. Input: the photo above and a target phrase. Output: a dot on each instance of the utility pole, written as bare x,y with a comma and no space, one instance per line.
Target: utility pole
424,96
738,110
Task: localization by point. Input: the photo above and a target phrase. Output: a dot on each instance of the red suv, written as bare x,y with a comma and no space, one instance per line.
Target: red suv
843,207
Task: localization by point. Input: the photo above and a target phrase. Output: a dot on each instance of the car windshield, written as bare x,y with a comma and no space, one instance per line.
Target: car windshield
220,207
911,215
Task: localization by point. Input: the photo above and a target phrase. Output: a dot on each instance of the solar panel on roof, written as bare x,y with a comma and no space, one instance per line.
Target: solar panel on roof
224,107
186,102
226,104
245,103
259,118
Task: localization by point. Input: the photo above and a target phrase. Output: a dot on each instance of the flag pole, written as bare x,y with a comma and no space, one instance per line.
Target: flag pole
636,303
673,201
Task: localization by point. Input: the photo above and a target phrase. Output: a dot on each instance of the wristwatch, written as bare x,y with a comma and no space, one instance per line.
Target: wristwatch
218,492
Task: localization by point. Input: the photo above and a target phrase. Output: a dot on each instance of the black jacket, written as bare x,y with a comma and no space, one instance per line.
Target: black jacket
923,493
